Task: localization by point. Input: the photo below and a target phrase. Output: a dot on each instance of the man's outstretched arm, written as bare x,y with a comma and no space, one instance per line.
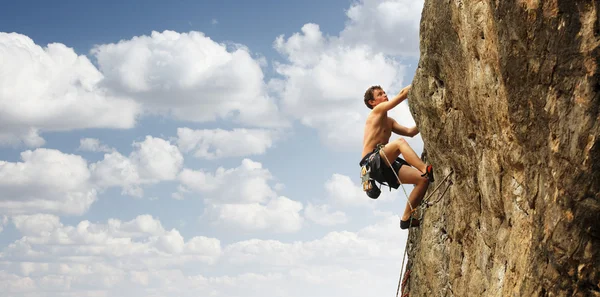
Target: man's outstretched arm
385,106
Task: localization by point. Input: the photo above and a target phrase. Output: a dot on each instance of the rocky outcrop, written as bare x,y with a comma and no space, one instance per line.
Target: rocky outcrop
507,95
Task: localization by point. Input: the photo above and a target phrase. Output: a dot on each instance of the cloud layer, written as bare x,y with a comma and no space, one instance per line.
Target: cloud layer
141,258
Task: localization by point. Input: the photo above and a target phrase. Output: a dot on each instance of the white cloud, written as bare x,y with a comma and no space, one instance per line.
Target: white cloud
247,183
343,191
117,170
242,198
218,143
37,224
46,181
322,215
93,145
324,82
190,77
360,260
15,284
152,160
53,89
325,77
141,226
391,26
340,247
22,136
280,214
157,159
142,242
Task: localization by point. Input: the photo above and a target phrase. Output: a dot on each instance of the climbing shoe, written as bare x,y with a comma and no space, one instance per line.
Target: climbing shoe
412,222
429,173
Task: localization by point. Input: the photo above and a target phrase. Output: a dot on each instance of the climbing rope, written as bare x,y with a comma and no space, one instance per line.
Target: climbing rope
423,205
379,147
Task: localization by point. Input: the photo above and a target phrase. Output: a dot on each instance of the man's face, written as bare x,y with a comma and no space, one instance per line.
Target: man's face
379,96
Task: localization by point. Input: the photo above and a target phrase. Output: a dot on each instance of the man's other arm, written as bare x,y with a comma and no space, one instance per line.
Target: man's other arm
404,131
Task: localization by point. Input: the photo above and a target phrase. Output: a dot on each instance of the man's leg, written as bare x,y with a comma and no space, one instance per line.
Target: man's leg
399,146
409,175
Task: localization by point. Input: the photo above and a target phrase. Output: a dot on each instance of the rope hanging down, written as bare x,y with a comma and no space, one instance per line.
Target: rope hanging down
424,204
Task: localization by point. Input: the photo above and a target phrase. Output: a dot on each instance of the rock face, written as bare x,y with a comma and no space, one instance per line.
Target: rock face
507,95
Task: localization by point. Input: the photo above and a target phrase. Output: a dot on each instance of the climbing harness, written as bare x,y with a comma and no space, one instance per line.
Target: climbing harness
368,182
423,205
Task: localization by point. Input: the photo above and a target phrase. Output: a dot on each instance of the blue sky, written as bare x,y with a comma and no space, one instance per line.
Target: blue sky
197,147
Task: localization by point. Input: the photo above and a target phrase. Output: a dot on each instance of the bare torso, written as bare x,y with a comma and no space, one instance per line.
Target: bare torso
378,130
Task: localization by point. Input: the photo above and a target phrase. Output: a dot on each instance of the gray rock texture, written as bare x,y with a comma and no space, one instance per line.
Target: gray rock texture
507,95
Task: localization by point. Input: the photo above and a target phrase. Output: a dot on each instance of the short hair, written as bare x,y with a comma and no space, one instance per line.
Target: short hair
369,95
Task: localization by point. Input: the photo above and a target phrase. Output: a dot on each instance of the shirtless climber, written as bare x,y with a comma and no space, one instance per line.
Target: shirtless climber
378,130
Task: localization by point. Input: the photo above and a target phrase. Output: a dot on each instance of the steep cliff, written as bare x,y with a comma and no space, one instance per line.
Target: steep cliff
507,95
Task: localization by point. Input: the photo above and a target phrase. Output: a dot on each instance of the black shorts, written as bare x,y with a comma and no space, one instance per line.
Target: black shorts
380,171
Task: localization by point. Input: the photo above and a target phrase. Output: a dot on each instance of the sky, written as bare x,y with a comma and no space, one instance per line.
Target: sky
198,148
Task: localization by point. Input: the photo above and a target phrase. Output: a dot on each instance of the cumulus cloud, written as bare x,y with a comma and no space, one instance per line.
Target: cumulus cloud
219,143
53,89
323,215
391,26
46,181
248,183
93,145
324,81
280,214
37,224
152,160
242,197
190,77
342,191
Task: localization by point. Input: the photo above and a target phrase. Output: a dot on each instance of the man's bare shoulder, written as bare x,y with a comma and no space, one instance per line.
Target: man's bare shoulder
376,113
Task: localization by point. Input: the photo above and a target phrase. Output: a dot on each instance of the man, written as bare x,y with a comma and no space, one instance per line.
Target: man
378,153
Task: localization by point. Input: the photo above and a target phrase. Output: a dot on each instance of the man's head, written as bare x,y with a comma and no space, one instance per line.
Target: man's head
375,95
